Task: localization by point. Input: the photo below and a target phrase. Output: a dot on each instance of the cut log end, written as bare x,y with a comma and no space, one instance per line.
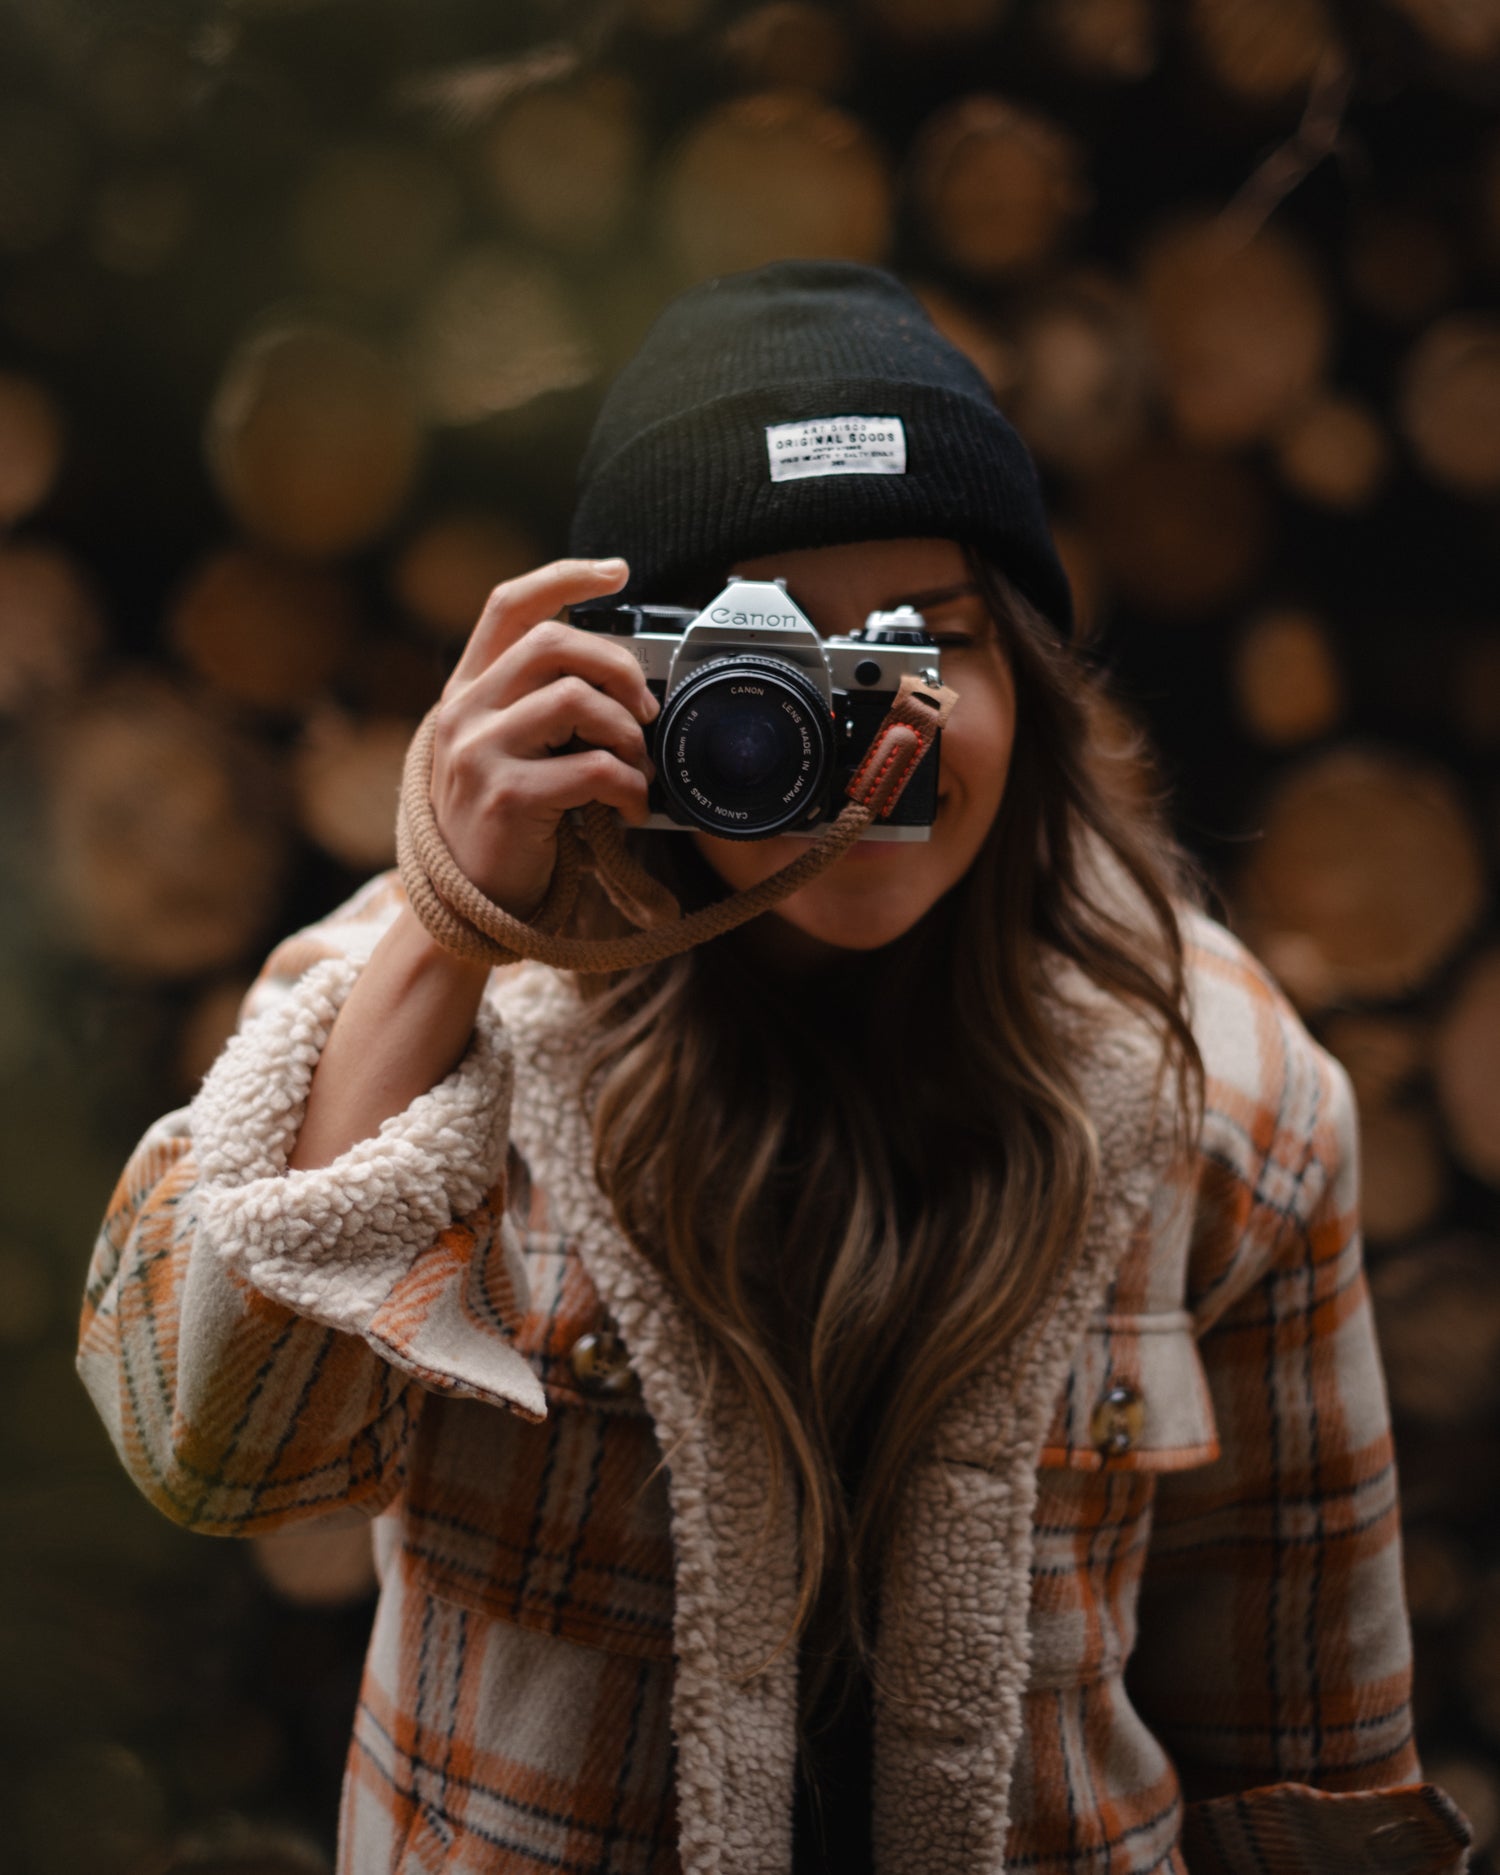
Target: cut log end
51,626
166,841
1335,452
776,175
1288,687
1448,402
348,776
313,439
31,445
444,575
1104,39
1368,875
997,185
1243,328
266,632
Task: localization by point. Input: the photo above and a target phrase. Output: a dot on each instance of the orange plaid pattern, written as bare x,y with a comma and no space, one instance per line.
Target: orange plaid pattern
1219,1650
1203,1609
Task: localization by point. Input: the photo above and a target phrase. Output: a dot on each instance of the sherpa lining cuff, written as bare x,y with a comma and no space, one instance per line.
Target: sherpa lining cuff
331,1242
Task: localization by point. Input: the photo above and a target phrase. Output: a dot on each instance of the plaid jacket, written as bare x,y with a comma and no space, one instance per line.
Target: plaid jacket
1145,1608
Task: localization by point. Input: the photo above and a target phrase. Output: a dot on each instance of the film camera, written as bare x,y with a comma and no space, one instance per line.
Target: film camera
762,720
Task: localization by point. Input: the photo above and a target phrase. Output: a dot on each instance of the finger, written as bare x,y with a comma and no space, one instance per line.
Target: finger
552,650
565,781
517,604
546,719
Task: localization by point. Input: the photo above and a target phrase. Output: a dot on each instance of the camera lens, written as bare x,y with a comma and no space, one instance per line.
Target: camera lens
745,746
742,749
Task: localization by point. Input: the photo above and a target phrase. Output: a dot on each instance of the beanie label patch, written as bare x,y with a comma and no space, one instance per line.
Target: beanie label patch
836,446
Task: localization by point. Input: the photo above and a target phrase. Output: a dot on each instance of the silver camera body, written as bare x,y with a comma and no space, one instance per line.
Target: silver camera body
763,721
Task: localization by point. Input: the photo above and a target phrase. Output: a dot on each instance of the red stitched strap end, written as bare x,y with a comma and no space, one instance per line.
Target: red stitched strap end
896,750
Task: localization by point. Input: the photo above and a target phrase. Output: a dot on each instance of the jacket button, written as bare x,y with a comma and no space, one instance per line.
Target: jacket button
1118,1419
601,1365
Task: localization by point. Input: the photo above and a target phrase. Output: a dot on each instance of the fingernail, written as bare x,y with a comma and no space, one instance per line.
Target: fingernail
613,565
653,708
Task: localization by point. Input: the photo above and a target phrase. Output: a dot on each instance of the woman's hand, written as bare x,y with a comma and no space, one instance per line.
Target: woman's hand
526,685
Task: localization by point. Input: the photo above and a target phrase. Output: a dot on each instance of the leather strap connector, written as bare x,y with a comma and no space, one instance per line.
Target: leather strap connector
908,731
888,765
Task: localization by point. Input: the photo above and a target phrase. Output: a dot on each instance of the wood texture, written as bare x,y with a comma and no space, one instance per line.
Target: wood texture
313,439
772,176
998,186
1367,876
166,845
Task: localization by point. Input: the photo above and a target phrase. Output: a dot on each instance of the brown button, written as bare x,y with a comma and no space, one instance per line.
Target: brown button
1118,1419
601,1365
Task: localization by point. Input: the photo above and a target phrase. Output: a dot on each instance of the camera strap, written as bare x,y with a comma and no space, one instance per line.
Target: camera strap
463,920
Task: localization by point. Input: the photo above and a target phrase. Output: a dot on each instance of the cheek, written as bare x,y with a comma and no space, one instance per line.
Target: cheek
976,748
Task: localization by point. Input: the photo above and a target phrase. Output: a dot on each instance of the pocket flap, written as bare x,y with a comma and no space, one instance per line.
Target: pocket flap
1136,1398
567,1335
1293,1829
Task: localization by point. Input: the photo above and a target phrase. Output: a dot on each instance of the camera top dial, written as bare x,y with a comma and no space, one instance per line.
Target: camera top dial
904,626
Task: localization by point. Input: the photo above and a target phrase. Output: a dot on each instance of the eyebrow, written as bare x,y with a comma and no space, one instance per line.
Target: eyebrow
938,595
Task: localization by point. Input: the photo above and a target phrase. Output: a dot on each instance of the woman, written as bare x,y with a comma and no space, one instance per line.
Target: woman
891,1388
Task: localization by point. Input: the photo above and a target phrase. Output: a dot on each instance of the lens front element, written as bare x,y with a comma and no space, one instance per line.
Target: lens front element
745,747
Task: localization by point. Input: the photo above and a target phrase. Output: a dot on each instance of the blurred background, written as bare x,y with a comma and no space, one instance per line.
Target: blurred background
305,307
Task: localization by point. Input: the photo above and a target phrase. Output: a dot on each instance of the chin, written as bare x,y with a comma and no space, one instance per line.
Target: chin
855,921
876,893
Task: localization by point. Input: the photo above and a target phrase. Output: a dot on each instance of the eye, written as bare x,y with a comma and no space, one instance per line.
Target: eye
963,626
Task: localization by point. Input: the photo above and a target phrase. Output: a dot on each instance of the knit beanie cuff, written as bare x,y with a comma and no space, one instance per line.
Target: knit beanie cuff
682,475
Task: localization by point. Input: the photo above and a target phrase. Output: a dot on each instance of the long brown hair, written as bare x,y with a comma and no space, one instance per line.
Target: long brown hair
864,1180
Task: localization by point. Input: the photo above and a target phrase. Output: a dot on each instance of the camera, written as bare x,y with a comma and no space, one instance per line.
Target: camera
763,721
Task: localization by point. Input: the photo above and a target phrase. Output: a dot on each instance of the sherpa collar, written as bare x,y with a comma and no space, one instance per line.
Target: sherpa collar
953,1643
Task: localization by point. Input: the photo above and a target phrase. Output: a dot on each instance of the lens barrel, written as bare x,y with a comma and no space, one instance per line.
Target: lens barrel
745,746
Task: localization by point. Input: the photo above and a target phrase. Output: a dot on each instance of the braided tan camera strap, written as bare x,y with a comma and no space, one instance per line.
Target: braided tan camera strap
464,921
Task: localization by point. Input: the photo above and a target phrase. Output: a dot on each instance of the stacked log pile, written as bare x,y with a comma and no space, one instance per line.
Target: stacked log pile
285,389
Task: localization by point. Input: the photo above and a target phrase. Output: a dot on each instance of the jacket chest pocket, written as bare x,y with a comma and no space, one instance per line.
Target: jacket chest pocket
1135,1404
562,1527
1135,1398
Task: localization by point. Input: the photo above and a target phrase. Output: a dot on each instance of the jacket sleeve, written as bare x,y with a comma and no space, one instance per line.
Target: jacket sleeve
1274,1652
257,1340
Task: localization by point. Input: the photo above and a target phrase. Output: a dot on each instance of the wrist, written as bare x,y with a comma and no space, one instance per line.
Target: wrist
411,946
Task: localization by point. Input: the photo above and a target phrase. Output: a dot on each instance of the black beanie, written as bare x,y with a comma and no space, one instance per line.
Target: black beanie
801,405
